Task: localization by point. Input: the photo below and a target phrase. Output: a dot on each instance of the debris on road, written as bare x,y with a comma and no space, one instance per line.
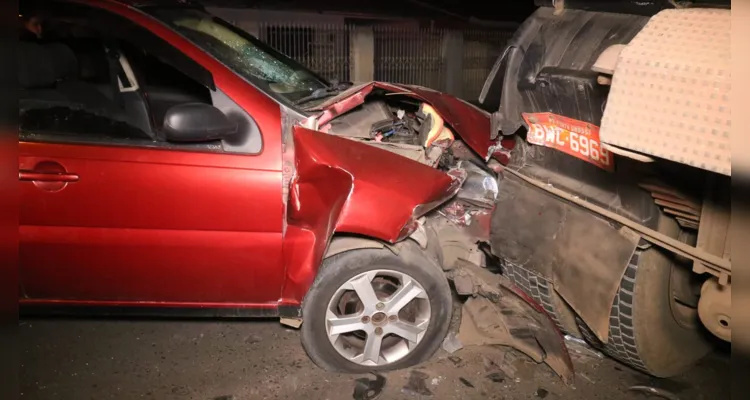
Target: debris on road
466,382
417,385
369,389
580,347
584,376
455,360
451,344
652,391
497,377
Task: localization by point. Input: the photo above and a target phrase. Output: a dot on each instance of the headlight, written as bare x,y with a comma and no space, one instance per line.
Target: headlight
480,187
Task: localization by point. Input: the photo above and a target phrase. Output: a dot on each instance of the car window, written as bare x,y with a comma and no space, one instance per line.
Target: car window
101,78
260,64
67,121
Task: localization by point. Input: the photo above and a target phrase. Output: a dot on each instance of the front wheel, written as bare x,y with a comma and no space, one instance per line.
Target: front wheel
371,310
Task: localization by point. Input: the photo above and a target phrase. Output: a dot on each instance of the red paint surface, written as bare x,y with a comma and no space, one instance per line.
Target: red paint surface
156,225
346,186
153,227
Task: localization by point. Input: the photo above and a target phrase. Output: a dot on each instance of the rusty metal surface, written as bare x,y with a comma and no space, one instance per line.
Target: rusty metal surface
565,245
716,214
715,308
671,90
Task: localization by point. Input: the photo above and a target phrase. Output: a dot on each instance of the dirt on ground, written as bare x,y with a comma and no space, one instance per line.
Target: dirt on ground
233,360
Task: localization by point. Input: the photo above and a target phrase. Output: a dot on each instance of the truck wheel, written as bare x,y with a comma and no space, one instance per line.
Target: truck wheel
645,332
371,310
542,291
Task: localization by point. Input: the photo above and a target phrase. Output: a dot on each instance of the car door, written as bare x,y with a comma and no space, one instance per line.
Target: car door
110,215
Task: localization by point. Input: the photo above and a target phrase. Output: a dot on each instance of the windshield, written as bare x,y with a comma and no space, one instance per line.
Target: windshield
260,64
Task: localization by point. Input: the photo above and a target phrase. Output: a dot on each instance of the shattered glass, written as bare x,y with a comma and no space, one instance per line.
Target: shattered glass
247,56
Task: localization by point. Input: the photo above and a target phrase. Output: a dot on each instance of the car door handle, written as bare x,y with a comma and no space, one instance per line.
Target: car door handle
47,176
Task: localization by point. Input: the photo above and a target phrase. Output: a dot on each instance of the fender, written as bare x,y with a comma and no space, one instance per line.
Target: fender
342,244
340,185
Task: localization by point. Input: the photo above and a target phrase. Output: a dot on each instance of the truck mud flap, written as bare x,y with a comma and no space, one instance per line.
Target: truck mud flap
498,313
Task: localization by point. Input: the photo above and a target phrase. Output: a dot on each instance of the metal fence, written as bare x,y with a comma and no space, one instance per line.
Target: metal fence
324,48
480,51
408,55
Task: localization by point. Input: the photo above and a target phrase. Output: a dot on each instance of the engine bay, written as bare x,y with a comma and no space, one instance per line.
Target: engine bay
406,126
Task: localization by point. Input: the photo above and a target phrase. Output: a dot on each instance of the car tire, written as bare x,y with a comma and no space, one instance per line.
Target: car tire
338,271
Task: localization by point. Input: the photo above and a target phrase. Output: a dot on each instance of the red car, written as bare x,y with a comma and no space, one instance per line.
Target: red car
173,164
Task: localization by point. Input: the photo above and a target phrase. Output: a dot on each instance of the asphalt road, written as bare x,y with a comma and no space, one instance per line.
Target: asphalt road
81,359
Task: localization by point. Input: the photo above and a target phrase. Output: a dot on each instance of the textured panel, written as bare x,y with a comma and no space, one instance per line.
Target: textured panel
671,90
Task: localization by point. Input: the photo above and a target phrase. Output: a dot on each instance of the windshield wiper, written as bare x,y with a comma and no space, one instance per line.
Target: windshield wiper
328,91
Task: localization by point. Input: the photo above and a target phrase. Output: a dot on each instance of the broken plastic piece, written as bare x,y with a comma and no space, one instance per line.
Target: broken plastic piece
369,389
417,385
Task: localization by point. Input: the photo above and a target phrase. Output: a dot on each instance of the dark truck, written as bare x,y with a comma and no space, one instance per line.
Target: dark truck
614,210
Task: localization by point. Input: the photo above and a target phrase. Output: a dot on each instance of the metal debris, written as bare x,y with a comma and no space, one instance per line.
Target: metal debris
451,344
466,382
580,347
584,376
369,389
652,391
417,385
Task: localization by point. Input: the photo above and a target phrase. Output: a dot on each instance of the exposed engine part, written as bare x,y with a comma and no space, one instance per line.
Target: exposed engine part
403,130
715,308
357,122
433,129
415,131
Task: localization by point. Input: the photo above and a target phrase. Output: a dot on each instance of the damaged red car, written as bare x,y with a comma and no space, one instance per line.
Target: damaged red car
172,164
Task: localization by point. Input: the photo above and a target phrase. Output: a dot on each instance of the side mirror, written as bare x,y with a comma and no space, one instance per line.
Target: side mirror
196,122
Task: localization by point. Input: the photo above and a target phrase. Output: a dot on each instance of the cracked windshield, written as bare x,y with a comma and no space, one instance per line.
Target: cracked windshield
265,67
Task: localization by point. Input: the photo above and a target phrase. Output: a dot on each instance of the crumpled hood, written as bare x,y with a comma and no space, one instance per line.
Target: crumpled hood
471,123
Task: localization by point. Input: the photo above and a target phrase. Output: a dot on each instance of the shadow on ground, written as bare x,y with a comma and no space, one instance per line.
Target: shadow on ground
231,360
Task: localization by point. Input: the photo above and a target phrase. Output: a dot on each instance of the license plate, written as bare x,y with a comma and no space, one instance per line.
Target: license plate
576,138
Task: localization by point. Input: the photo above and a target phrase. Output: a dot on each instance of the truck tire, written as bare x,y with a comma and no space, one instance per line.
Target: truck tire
334,301
643,331
542,291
